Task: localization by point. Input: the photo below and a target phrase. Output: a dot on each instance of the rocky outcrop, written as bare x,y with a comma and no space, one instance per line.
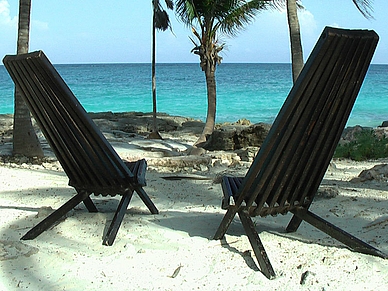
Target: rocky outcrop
377,173
235,136
140,123
348,134
384,124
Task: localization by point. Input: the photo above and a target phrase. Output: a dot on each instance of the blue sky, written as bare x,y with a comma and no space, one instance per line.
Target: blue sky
97,31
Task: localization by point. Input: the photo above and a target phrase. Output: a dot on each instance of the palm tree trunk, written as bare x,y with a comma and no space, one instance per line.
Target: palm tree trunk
25,141
154,128
154,132
210,75
296,44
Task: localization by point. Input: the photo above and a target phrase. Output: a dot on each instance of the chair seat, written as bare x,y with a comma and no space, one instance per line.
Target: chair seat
230,188
138,169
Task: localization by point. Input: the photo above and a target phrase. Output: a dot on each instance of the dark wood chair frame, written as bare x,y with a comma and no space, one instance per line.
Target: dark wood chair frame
292,161
88,159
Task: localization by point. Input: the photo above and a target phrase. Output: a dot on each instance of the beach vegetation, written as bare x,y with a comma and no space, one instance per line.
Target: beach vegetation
25,140
160,21
207,20
366,146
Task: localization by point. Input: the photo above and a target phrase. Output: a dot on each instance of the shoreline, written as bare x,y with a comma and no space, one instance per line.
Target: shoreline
174,250
377,123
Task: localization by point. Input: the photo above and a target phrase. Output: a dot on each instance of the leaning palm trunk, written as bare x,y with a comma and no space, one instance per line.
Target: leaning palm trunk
295,40
208,52
25,141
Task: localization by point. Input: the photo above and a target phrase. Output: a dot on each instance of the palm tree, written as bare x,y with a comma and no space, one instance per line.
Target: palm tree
364,6
25,141
295,41
160,21
226,17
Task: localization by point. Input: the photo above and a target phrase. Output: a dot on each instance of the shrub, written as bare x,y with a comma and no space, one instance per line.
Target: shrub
367,145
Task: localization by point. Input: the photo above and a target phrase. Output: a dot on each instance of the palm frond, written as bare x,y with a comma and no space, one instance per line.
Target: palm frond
241,13
161,18
169,4
196,33
162,21
365,7
185,11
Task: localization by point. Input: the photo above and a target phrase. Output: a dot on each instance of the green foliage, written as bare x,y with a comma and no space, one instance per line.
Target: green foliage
367,145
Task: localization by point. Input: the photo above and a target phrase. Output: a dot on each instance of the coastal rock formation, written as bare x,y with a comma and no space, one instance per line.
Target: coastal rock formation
236,136
141,123
348,134
384,124
377,173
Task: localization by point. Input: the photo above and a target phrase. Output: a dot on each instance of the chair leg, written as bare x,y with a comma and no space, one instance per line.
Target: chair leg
337,233
294,224
258,248
225,223
147,201
117,219
295,221
55,216
90,205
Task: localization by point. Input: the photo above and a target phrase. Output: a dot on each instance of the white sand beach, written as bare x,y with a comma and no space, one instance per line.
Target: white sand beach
174,250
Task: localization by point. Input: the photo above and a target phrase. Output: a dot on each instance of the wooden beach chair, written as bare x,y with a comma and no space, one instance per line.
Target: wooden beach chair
90,162
291,163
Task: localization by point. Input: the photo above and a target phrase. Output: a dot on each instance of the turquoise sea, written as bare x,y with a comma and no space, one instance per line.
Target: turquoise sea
252,91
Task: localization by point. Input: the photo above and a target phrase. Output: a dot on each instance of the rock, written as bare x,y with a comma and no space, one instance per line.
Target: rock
44,211
381,132
222,158
384,124
349,132
327,192
234,137
180,162
141,123
247,154
195,151
305,277
378,173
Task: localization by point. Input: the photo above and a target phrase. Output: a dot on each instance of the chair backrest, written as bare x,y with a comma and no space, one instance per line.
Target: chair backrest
294,157
88,159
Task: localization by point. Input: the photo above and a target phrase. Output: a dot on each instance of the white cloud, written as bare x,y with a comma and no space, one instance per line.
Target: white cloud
39,25
307,22
11,22
5,17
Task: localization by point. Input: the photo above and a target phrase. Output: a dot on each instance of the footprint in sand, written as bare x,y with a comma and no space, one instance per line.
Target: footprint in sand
10,250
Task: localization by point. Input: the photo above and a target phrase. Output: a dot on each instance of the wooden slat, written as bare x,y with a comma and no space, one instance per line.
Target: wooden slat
96,161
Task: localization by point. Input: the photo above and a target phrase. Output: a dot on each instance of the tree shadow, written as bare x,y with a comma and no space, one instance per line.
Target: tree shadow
353,214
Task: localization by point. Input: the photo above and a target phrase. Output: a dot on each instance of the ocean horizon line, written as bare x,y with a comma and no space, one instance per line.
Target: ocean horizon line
185,63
